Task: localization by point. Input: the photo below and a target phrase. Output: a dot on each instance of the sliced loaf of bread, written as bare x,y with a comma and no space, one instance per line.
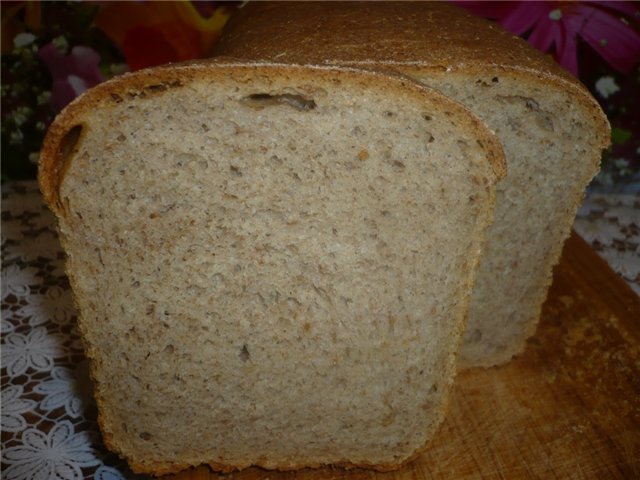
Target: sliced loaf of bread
272,264
553,132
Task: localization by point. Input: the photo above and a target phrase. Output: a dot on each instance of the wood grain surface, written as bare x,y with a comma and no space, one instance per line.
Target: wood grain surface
567,408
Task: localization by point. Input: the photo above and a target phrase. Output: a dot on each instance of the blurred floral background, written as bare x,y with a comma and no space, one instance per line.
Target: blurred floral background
53,51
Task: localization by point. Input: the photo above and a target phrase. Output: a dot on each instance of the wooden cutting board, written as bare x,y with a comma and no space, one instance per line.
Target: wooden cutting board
568,408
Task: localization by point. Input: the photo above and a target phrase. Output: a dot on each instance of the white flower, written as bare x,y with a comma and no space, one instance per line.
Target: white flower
6,326
13,407
59,454
55,305
71,390
16,280
108,473
23,39
607,86
36,350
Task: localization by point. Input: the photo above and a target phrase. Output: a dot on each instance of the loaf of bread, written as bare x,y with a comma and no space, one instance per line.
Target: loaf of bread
552,130
272,264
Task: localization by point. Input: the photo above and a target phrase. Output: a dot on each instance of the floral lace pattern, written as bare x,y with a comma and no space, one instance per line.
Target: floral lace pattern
48,420
611,225
48,416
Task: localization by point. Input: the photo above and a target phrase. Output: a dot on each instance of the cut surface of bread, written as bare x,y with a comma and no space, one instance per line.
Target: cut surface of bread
552,130
272,264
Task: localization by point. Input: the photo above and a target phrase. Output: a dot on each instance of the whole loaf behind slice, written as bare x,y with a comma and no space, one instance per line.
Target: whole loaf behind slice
552,130
272,264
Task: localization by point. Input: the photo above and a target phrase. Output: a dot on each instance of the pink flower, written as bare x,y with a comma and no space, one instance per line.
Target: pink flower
72,73
556,26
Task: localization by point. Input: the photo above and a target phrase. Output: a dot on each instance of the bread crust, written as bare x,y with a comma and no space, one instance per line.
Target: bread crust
170,468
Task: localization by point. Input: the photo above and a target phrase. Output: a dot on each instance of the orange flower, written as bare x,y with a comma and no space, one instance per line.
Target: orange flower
153,33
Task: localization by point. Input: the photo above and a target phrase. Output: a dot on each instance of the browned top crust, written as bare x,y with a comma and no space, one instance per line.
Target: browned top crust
411,35
424,33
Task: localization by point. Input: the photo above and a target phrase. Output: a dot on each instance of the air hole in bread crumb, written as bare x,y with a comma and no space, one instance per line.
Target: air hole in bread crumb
428,118
495,79
531,104
293,303
235,170
145,436
262,100
476,335
275,159
357,131
169,349
156,88
66,148
217,280
244,353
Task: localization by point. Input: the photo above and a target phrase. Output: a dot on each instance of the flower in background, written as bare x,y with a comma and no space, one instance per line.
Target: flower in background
108,473
55,305
608,27
13,406
598,41
154,33
72,73
607,86
53,51
70,389
60,453
35,350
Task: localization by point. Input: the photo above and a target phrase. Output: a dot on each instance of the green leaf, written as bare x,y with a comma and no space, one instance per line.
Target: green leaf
620,136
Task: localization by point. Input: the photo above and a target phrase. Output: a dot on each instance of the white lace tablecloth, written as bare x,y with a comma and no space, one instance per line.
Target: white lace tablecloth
49,428
611,225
